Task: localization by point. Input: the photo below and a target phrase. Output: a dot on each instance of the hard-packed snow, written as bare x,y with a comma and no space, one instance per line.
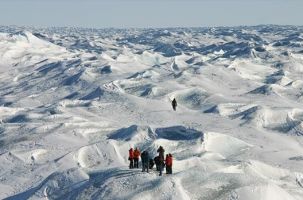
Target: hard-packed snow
74,101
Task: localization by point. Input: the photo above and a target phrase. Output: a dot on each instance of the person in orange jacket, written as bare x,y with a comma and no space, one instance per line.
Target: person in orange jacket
131,158
137,154
169,163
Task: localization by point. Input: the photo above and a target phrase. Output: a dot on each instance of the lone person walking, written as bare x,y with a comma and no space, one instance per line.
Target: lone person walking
174,104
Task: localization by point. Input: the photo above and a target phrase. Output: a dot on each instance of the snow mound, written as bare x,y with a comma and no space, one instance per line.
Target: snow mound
192,98
95,94
234,110
18,46
267,90
133,132
250,70
266,192
224,145
137,88
56,185
178,133
99,154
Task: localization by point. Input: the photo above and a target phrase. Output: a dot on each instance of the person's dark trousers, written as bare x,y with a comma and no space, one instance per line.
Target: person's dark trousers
161,169
157,167
136,162
169,170
143,166
146,166
151,165
131,163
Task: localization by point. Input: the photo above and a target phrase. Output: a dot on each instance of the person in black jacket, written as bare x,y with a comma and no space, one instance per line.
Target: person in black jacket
145,161
161,159
157,162
161,152
174,104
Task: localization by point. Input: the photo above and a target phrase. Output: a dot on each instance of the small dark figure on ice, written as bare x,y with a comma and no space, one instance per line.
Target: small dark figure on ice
174,104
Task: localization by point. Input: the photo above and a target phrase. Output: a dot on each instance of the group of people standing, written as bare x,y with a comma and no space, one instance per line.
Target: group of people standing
148,163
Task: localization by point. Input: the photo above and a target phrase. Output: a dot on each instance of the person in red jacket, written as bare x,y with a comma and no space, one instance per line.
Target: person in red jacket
137,154
131,158
166,166
169,164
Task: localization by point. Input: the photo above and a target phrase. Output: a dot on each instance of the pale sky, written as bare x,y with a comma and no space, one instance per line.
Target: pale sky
150,13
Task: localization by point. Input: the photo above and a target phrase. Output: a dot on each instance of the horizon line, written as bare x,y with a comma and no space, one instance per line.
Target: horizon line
152,27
